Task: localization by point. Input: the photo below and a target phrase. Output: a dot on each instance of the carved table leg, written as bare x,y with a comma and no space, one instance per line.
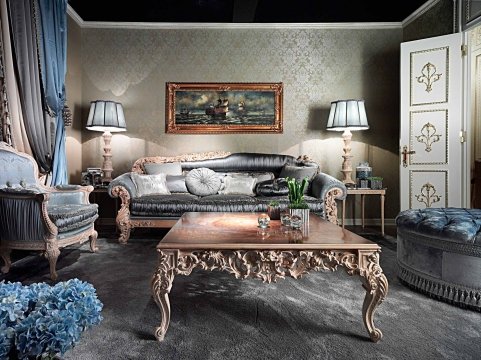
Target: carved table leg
376,285
161,285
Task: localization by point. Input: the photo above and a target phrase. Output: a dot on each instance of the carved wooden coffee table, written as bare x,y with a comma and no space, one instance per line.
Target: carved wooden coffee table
232,242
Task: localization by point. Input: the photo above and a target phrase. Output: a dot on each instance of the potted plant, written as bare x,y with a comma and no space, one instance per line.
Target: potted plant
297,204
375,182
274,210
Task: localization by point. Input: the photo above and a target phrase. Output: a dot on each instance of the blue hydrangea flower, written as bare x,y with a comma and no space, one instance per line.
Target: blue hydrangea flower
40,319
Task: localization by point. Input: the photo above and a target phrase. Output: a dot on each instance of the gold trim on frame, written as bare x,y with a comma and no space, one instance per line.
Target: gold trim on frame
415,77
219,123
411,136
411,172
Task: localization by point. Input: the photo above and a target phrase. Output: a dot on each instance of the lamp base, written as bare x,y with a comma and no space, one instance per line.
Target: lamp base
107,164
346,164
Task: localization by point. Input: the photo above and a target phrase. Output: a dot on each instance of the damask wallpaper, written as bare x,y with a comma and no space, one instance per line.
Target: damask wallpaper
316,66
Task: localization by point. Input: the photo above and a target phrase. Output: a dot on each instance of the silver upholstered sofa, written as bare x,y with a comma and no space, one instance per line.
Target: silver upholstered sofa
163,210
38,217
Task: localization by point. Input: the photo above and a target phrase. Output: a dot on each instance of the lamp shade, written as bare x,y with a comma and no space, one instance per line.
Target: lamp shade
106,116
347,114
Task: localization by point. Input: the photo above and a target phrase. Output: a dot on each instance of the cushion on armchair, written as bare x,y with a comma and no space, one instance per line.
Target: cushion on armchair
72,216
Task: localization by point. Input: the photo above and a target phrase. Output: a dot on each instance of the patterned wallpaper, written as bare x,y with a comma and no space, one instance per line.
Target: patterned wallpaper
316,66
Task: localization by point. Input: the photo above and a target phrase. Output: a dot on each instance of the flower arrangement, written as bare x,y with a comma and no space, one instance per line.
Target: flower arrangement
42,320
296,193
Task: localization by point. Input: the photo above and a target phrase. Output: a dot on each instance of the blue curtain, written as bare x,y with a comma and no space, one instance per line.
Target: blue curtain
53,64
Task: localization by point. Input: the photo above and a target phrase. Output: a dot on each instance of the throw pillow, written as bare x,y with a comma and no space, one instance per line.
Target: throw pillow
150,184
276,187
174,168
298,172
202,182
176,184
243,185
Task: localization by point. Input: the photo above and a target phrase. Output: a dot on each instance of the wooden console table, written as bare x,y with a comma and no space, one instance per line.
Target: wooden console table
363,193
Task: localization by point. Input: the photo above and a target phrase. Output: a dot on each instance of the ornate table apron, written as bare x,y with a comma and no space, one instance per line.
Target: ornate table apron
270,265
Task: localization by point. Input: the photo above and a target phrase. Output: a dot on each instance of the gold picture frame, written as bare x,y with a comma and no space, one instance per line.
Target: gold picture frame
219,108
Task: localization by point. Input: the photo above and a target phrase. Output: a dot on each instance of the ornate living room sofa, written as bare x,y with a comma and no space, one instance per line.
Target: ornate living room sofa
159,190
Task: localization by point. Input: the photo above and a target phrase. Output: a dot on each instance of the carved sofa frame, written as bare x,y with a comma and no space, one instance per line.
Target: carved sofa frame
324,189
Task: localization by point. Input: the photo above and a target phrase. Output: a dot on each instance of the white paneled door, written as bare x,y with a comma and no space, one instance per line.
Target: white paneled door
433,149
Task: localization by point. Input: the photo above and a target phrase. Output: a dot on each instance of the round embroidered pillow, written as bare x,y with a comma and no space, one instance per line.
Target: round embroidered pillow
203,182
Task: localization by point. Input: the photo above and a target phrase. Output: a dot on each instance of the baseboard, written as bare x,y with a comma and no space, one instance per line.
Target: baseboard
369,222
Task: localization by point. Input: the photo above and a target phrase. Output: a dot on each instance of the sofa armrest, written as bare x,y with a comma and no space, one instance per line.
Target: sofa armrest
70,194
124,188
329,189
13,222
124,181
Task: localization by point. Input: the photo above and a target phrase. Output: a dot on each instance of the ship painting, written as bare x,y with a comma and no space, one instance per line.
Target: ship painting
184,113
220,110
241,108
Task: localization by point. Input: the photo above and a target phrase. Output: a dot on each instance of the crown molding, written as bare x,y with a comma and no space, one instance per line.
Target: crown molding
180,26
74,16
420,11
185,26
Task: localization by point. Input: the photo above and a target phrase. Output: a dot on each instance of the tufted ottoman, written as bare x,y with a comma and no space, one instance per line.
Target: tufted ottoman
439,253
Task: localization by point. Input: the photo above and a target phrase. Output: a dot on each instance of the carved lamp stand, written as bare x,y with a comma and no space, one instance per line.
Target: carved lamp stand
108,117
347,115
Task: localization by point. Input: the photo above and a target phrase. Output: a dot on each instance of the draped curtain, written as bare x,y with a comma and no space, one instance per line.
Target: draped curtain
33,80
53,63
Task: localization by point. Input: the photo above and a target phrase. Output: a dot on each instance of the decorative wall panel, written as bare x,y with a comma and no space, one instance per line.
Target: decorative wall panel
428,189
428,137
429,76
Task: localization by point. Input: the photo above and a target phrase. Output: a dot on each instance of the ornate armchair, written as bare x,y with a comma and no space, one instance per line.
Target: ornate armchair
38,217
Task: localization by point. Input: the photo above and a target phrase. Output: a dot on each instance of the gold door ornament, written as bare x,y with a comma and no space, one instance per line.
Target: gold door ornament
428,136
429,76
428,195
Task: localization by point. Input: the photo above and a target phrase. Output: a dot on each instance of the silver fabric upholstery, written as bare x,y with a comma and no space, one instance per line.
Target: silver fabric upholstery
38,217
439,253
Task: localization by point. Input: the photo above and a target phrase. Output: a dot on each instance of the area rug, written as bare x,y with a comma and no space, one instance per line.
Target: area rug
215,316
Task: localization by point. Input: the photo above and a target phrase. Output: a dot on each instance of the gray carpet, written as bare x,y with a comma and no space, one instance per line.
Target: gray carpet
215,316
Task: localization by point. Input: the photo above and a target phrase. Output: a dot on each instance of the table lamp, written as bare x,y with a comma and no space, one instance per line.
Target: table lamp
106,116
347,116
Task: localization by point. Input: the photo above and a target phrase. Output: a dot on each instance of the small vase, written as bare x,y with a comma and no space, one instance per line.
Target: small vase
302,213
274,212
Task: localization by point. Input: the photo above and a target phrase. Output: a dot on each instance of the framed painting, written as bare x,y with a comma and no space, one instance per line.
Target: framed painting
219,108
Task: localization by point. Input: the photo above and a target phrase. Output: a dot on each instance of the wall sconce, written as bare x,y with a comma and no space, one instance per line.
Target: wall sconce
108,117
347,116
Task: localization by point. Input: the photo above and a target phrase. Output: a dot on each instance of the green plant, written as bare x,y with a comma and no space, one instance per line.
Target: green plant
296,193
274,203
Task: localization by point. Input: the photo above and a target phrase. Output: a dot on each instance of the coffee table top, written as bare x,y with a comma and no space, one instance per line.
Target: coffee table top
239,230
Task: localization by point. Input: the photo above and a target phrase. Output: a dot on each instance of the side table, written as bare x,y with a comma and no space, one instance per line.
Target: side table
108,206
363,192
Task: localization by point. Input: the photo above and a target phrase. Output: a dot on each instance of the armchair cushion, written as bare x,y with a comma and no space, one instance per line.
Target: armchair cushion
72,216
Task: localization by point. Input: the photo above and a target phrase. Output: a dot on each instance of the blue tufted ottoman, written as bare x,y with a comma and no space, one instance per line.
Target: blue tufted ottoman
439,253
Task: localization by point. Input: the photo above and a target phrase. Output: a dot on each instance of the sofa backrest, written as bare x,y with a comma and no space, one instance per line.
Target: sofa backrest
227,162
16,169
246,162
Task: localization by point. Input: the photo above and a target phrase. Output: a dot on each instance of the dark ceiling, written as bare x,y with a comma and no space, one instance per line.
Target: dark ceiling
245,11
